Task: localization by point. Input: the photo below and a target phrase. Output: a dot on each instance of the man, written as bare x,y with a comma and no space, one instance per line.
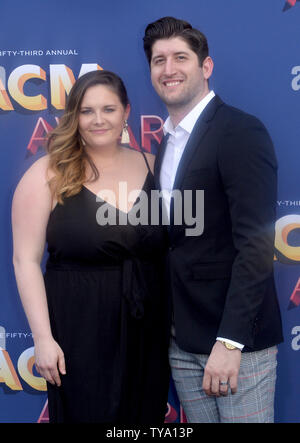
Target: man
226,315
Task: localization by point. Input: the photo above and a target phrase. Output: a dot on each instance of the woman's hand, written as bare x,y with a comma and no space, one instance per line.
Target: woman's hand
49,360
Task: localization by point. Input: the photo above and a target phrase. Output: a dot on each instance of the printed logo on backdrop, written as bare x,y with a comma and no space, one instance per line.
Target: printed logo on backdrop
2,75
2,338
35,87
296,338
289,4
58,79
287,249
15,375
295,83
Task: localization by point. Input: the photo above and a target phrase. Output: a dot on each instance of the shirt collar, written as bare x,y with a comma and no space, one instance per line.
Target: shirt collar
188,122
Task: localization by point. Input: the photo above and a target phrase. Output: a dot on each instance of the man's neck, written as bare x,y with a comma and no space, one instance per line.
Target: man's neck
177,113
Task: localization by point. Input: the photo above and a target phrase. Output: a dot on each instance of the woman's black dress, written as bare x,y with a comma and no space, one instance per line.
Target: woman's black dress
109,313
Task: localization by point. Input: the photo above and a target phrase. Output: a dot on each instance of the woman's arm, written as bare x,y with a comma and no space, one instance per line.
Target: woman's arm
30,213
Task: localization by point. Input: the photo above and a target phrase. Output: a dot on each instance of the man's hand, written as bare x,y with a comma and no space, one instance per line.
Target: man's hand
222,366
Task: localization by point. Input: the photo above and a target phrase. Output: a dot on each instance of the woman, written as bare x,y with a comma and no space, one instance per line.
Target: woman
99,317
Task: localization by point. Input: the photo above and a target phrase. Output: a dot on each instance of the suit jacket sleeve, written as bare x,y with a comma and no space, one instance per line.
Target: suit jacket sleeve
248,170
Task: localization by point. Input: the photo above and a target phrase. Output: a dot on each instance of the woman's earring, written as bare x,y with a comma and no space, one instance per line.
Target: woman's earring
125,140
82,141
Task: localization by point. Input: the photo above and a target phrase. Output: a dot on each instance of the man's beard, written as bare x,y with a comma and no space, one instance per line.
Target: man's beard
177,102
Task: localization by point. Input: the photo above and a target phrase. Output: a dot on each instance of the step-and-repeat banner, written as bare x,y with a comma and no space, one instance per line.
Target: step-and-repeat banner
45,46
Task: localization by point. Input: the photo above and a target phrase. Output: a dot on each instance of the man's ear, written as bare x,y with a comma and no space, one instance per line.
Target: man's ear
207,67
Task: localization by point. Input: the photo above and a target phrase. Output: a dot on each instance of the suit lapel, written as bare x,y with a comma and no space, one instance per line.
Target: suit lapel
193,142
158,161
202,125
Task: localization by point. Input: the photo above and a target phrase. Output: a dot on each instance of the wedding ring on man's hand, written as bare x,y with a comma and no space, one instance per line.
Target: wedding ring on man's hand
223,383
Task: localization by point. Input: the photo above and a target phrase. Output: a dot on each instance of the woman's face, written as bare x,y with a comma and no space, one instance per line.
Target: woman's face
101,117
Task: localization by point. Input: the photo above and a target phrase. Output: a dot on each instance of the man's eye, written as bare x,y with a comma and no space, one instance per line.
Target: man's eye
109,109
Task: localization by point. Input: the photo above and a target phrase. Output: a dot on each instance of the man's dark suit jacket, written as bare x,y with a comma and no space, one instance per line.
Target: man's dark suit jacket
222,281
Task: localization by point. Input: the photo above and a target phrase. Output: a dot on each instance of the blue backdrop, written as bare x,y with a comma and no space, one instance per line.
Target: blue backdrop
46,45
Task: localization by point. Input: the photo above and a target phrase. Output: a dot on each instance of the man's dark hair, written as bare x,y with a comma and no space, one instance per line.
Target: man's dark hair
168,27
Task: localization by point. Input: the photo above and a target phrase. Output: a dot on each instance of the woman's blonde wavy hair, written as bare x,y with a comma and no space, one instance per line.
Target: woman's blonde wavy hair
65,148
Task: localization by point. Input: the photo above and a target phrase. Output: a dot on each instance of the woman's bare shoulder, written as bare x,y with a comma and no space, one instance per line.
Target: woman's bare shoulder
32,200
37,175
138,156
39,169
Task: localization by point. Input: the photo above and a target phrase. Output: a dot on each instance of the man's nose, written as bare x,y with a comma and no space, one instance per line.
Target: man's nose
170,67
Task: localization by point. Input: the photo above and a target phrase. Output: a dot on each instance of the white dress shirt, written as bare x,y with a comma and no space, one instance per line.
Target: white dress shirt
177,141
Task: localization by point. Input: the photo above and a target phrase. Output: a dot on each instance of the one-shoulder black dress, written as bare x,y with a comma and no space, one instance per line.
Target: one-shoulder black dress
109,312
